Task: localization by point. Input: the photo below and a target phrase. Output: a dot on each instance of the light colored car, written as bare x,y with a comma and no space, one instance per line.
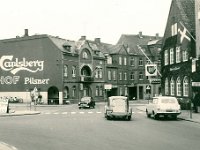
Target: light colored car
118,107
163,106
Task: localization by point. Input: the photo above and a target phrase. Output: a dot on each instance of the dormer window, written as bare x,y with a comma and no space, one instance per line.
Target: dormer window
67,47
85,55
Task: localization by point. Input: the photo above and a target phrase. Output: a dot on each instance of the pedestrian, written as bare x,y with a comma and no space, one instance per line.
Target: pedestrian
196,102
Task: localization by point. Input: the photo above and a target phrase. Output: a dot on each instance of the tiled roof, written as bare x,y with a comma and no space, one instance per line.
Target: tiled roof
133,40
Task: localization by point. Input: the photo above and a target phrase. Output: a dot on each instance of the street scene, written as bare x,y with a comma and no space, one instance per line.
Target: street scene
66,127
102,75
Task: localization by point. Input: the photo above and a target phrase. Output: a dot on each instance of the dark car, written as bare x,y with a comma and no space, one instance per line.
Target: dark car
86,102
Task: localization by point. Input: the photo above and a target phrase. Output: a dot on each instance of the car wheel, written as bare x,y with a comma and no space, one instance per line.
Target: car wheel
129,118
156,116
175,117
148,115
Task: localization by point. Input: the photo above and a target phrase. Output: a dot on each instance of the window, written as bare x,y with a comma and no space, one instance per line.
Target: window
109,75
85,55
174,29
125,76
172,86
114,75
132,75
185,55
132,61
171,55
97,91
65,70
140,75
148,61
120,60
109,60
120,76
166,57
185,86
73,91
125,61
140,62
178,55
126,91
178,87
98,73
166,87
120,91
66,92
100,91
73,71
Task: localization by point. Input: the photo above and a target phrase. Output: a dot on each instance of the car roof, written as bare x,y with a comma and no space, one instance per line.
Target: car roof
112,97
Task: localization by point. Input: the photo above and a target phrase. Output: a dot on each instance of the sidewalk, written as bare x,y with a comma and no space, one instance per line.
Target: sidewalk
185,115
5,146
19,113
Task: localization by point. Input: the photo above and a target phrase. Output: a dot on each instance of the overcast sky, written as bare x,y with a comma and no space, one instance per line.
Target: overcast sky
70,19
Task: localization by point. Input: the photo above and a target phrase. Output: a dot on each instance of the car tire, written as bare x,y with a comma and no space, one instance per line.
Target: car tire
129,118
175,117
156,116
148,115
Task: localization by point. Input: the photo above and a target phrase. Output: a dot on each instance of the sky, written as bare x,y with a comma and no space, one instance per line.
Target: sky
71,19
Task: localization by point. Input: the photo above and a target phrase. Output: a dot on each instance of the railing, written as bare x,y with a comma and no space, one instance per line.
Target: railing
86,79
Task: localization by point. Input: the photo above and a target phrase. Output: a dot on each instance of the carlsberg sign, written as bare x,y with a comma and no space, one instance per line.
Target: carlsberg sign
14,65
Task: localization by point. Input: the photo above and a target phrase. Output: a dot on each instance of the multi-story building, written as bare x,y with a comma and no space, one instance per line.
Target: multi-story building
141,50
178,49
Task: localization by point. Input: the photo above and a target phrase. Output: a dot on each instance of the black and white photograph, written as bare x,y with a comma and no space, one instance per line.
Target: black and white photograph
100,75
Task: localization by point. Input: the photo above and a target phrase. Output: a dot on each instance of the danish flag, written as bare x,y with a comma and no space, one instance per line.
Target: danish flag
183,35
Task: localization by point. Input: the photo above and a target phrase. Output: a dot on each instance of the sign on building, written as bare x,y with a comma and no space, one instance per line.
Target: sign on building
151,70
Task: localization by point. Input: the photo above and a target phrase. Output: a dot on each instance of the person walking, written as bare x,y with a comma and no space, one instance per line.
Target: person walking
196,102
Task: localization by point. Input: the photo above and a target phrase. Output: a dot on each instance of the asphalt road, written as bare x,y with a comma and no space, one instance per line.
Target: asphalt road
68,128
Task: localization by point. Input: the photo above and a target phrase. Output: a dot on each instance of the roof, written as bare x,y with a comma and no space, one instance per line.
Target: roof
132,42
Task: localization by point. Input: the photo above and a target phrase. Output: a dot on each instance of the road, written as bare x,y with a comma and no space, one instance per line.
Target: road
68,128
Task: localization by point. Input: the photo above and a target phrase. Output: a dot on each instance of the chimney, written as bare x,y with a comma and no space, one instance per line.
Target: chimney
157,36
25,32
83,37
140,34
98,40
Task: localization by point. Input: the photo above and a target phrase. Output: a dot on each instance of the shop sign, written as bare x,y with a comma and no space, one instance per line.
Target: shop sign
196,84
151,70
7,63
14,65
107,86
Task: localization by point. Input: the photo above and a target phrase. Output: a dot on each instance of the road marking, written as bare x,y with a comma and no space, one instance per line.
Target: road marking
90,112
73,112
81,112
56,113
64,113
98,112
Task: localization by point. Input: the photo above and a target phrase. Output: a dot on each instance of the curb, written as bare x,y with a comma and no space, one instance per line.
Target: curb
5,146
20,114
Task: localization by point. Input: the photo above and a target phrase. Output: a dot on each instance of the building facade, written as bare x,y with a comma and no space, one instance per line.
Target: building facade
178,50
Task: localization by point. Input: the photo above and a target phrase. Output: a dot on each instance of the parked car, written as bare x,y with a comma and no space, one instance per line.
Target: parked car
86,102
118,107
163,106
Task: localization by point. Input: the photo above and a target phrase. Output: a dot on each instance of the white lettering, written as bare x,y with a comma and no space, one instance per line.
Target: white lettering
9,80
28,80
8,64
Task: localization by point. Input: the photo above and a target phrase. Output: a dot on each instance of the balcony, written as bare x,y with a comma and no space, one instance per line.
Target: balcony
86,79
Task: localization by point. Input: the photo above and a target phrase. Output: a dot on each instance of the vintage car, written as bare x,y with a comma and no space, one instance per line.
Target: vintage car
163,106
86,102
118,107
